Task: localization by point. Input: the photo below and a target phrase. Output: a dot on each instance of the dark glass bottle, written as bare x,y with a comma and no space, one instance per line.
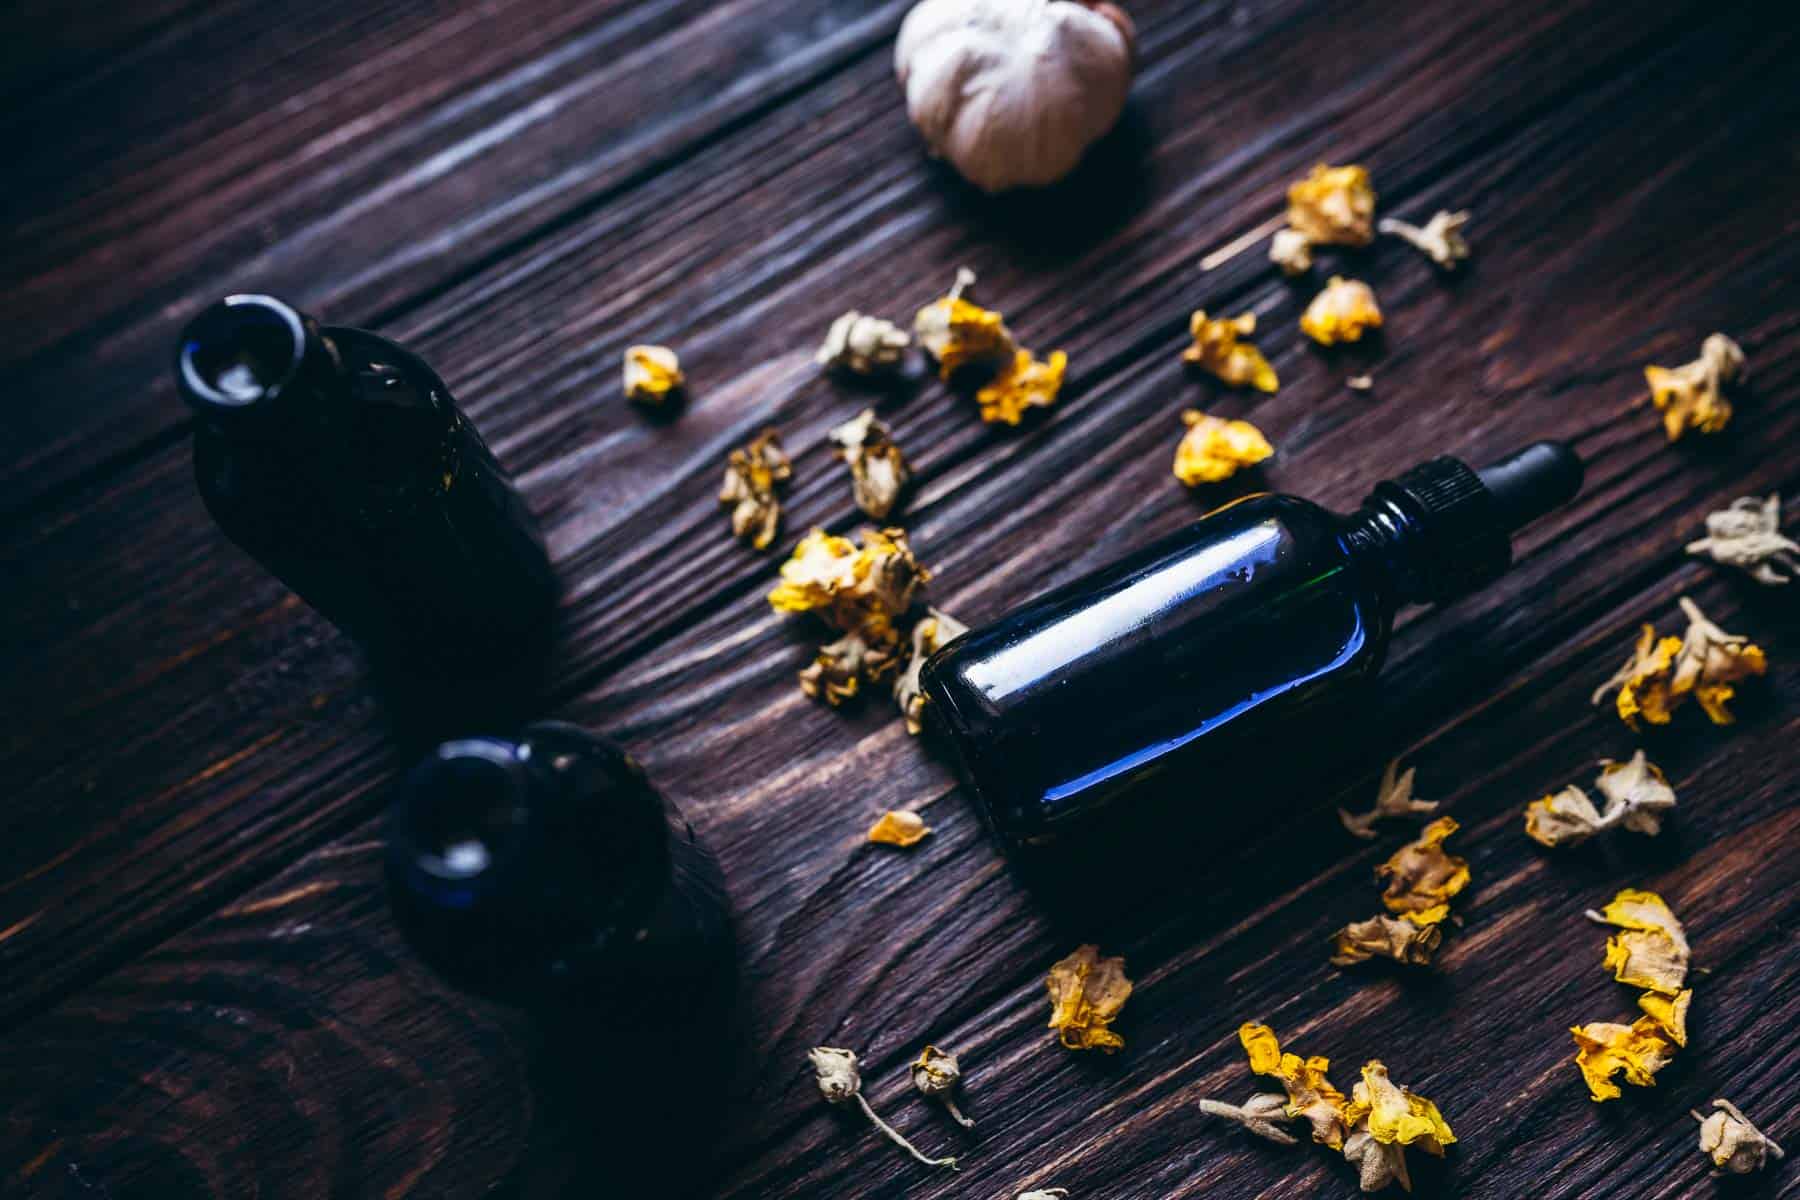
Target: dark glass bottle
1220,648
340,461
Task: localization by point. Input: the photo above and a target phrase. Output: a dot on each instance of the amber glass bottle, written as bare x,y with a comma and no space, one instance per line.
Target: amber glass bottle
1207,658
340,461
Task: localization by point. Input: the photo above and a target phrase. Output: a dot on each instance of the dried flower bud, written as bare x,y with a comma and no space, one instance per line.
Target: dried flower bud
1214,449
1310,1094
1023,383
936,1074
651,374
1341,312
1637,794
1735,1146
1711,662
751,477
1421,877
1604,1049
1747,535
1217,349
1644,683
1377,1163
841,667
1086,994
1385,937
1260,1114
1692,396
899,827
862,345
1441,239
840,1082
933,631
852,588
878,471
1334,206
1394,1115
1393,798
1291,251
959,334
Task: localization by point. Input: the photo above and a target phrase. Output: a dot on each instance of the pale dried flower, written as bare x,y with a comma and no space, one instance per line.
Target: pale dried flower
899,827
851,588
651,374
862,345
1651,950
1637,794
1360,383
1386,937
932,631
1441,239
1393,798
1341,312
878,471
1290,250
936,1075
752,476
1334,206
840,1082
1045,1194
1735,1145
1711,662
1261,1114
1692,396
957,333
841,667
1747,535
1421,878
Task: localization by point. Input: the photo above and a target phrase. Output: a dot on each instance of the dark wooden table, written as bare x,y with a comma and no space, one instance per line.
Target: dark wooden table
203,993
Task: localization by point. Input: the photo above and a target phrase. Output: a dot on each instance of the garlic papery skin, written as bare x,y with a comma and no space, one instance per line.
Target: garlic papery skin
1013,92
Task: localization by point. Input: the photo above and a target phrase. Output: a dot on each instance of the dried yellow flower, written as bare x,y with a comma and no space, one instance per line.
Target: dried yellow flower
1565,818
1645,683
1290,250
1735,1145
899,827
936,1075
959,334
1310,1094
1711,662
1333,206
838,671
1086,994
1023,384
1385,937
1259,1114
1747,535
751,477
1393,798
932,631
862,345
1637,794
1341,312
852,588
1634,908
1692,396
1604,1049
1421,877
878,471
840,1082
1217,349
1394,1115
1441,239
651,374
1652,951
1669,1013
1214,449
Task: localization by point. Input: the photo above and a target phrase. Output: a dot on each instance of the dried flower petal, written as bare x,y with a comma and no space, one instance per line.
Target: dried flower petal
1377,1163
1394,1115
1735,1146
1692,396
1711,661
1290,250
1747,535
863,345
1604,1049
1360,383
1045,1194
1669,1013
651,374
932,631
1334,206
852,588
936,1074
1310,1094
1259,1114
959,334
1341,312
1024,383
1217,349
878,471
1637,793
841,667
840,1082
751,477
1385,937
1634,908
899,827
1440,240
1565,818
1422,877
1652,952
1645,683
1086,994
1393,798
1214,449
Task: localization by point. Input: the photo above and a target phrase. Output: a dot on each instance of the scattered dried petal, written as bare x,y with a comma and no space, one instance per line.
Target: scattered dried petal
1334,206
1634,908
1669,1013
1259,1114
1385,937
1441,239
852,588
1086,994
1045,1194
1735,1146
1645,683
1421,877
1394,1115
751,477
1310,1094
651,374
959,334
1692,396
1652,952
936,1074
1025,383
1565,818
1377,1163
932,632
1393,798
899,827
1711,661
838,672
862,345
1290,250
840,1082
1604,1049
1747,535
1637,793
1360,383
1217,349
1215,449
878,471
1341,312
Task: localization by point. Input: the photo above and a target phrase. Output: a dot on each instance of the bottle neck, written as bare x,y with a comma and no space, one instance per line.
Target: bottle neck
253,366
1386,540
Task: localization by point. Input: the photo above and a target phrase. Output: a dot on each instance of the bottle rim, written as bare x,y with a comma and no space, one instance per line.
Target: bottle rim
463,819
240,351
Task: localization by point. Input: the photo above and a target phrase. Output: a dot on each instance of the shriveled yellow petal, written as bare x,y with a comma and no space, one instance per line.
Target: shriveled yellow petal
1647,959
899,827
1217,349
651,374
1635,908
1334,206
1394,1114
1214,449
1562,818
959,334
1692,396
1604,1049
1023,384
1385,937
1669,1013
855,589
822,565
1421,877
1310,1093
1711,661
1649,693
1341,312
1262,1046
1086,994
841,667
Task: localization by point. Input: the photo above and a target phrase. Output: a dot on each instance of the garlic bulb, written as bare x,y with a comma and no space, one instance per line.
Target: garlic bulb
1013,92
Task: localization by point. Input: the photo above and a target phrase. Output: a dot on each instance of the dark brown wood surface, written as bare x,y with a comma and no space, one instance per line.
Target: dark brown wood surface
202,992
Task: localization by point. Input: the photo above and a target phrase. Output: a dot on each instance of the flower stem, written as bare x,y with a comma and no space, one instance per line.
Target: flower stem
894,1136
956,1114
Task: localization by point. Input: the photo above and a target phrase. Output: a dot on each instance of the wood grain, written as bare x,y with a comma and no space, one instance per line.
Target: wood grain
205,994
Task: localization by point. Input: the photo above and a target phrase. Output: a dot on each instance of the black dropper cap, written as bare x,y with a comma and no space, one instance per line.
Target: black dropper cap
1463,519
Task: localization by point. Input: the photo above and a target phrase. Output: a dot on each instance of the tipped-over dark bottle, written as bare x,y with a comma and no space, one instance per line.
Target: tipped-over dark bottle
340,461
1207,656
